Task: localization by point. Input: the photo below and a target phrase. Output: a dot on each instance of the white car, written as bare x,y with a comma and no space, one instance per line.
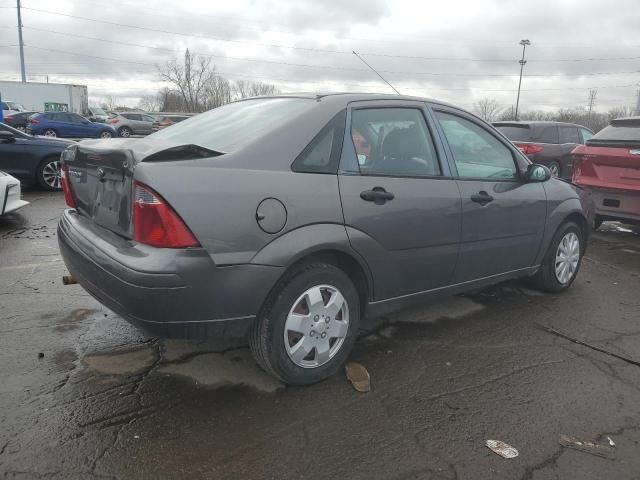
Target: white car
9,108
10,194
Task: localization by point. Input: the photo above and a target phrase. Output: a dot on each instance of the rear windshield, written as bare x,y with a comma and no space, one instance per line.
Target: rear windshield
617,133
232,126
516,134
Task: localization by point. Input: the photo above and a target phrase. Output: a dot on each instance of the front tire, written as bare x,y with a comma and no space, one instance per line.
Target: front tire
48,174
308,325
562,261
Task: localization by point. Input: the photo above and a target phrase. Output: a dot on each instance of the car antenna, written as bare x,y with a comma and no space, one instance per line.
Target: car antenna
374,71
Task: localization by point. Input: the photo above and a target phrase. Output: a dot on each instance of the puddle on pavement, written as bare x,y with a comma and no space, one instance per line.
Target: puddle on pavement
65,360
73,319
233,368
449,308
121,363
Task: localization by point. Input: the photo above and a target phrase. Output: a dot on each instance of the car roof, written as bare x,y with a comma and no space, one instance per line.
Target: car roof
348,97
538,123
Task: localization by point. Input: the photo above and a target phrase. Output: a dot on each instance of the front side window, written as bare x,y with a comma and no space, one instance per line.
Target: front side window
568,135
393,141
586,135
477,153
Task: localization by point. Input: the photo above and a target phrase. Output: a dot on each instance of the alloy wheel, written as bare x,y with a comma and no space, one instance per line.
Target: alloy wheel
106,134
316,326
555,169
51,174
50,133
567,258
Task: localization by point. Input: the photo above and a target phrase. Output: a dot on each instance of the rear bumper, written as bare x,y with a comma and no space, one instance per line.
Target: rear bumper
616,204
178,293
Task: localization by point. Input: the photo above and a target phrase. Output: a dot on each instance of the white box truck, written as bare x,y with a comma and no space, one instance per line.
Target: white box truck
43,97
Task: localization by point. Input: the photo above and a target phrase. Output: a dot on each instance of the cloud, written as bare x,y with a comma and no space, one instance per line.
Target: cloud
459,51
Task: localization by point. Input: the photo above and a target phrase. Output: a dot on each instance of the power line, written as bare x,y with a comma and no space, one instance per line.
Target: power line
331,67
317,50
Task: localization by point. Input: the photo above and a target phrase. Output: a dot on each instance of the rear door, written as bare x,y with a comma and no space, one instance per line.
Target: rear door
401,206
146,124
503,217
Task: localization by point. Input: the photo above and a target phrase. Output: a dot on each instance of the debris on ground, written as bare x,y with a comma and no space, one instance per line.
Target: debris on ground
502,449
586,447
358,376
40,355
611,442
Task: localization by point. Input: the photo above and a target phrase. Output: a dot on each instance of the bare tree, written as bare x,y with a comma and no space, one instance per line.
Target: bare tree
243,89
591,99
488,109
108,103
150,103
190,79
217,92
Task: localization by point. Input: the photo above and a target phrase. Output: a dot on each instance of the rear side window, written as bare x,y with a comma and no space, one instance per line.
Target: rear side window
547,135
323,153
476,152
568,135
516,134
394,142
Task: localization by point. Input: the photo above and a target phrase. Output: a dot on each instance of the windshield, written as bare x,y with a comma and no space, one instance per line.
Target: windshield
232,126
98,111
15,106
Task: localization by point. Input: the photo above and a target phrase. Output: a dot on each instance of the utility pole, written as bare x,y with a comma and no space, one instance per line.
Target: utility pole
24,75
592,100
524,44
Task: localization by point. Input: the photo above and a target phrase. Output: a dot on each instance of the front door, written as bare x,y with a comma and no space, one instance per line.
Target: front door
503,217
13,157
401,207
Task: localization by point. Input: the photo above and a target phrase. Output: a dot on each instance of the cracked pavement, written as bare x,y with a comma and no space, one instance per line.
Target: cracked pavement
108,401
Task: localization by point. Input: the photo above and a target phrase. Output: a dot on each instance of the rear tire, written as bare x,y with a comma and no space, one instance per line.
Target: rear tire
561,252
556,169
106,134
48,174
21,128
323,330
124,132
50,132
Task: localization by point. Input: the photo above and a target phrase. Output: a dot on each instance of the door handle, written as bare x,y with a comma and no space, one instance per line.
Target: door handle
377,195
482,198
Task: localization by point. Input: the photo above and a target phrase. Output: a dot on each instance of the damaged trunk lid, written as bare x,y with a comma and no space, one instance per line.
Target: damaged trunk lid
101,176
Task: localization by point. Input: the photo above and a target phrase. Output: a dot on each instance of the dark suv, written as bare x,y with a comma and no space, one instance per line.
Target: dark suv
547,143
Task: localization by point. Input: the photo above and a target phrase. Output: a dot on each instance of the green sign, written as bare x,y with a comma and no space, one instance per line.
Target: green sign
56,107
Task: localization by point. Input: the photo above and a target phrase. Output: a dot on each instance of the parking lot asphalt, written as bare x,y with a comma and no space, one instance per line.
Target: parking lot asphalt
85,395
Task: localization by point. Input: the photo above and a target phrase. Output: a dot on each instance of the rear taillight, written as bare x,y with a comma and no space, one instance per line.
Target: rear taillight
66,187
114,120
528,148
156,223
8,118
33,121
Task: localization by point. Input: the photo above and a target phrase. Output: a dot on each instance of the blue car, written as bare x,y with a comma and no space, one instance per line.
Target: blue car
67,124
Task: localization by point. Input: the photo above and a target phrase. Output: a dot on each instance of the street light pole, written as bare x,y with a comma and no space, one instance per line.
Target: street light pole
524,44
24,75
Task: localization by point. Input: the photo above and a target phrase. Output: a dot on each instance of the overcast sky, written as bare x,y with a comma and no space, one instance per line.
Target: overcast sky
455,50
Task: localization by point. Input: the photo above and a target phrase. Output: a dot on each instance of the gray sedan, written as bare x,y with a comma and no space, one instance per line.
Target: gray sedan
131,123
294,217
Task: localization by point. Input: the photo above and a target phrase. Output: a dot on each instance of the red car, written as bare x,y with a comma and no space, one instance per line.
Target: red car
164,121
609,167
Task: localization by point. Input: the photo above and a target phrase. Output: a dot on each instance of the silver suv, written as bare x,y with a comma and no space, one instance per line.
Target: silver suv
131,123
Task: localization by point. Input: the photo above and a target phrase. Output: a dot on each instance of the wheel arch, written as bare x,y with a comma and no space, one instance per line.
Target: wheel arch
319,242
41,161
579,219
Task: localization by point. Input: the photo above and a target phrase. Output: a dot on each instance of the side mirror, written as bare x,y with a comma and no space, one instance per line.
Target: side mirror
537,173
7,137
